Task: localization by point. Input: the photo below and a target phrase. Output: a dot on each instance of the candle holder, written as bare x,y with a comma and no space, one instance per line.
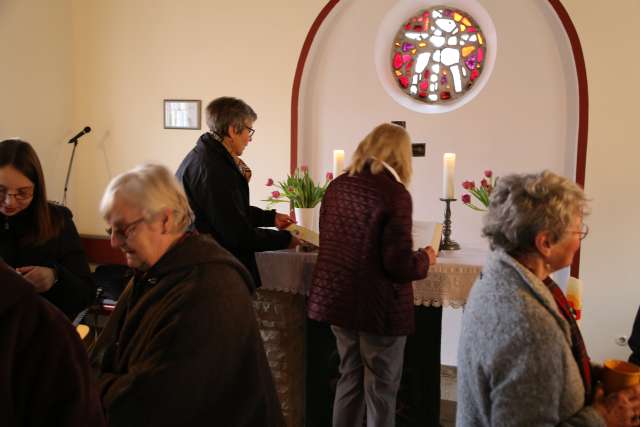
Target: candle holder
446,244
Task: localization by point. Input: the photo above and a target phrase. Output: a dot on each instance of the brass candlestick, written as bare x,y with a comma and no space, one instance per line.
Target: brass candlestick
446,244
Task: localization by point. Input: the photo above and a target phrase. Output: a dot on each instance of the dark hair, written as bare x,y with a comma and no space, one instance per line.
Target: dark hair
21,155
227,111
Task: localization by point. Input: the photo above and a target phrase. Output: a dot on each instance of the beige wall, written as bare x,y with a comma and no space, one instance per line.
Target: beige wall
36,81
130,55
609,254
523,120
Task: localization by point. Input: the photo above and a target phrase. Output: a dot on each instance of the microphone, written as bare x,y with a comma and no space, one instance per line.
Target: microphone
74,140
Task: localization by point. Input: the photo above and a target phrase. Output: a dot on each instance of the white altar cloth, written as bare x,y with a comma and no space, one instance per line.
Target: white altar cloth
447,284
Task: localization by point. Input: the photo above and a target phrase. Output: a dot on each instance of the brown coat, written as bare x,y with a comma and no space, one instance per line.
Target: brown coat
183,347
366,264
45,379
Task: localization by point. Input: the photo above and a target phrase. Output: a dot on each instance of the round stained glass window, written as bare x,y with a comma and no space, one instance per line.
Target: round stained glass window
438,54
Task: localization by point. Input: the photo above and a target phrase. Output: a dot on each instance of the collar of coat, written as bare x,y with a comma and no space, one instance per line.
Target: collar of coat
189,251
213,143
388,167
497,265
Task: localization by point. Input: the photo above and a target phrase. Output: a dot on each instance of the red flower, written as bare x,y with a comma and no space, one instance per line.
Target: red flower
275,194
484,183
269,182
488,173
329,176
466,199
468,185
304,168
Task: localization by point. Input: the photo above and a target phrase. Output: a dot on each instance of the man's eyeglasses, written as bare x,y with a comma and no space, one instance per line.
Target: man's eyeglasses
251,131
124,231
583,233
21,195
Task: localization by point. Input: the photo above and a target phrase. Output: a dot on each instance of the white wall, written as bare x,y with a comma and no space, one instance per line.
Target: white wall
130,55
36,81
525,118
610,253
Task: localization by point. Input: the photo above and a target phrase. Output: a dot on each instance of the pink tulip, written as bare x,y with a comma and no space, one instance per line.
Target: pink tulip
488,173
468,185
304,168
275,194
329,176
466,199
484,183
269,182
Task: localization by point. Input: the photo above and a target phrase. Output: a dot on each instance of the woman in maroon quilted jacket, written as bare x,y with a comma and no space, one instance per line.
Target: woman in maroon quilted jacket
362,281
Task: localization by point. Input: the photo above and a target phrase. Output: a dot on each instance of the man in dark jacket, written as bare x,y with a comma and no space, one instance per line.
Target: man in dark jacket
44,372
215,180
182,347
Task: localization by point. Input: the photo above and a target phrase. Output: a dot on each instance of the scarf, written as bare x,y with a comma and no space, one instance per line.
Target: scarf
577,343
240,164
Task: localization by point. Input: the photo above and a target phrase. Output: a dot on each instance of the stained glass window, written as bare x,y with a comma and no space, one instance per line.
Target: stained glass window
438,54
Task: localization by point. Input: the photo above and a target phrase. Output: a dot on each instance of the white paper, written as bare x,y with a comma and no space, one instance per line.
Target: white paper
426,233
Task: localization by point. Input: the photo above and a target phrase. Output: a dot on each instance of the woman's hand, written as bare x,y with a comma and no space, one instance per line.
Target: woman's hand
283,221
620,409
431,254
42,278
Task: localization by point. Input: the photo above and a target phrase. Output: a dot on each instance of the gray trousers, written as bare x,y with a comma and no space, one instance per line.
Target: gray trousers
370,373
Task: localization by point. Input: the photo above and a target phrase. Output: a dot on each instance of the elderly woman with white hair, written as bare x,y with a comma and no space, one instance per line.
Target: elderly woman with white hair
182,346
522,360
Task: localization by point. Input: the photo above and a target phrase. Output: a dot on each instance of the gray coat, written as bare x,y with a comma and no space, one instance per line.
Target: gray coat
515,365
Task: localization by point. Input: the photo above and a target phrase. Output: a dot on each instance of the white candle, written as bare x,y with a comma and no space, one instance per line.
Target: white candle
448,168
338,162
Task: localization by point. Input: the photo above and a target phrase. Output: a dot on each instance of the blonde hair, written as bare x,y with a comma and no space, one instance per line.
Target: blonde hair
386,143
151,188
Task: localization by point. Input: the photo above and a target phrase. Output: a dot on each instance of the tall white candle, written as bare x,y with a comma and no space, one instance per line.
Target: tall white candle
338,162
448,169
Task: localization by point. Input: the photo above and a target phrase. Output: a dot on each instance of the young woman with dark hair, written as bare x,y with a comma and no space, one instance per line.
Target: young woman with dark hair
39,238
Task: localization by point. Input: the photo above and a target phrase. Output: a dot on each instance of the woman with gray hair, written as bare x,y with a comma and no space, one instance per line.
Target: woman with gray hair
522,360
182,346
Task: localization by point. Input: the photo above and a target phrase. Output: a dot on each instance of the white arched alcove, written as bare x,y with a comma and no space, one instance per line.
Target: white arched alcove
524,119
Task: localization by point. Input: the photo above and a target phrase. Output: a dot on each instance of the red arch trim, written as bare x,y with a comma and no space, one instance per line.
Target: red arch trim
581,71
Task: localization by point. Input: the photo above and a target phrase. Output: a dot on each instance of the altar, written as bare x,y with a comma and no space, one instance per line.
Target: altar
302,352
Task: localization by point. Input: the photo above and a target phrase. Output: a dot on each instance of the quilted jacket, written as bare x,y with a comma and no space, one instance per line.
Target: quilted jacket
366,263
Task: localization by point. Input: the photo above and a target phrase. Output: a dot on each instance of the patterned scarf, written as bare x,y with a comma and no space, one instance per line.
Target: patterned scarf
577,343
242,166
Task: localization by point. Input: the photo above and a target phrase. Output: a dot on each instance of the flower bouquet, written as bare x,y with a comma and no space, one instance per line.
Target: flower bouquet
481,193
298,189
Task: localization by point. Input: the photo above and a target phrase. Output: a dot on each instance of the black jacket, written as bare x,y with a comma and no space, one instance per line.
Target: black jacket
219,197
75,288
44,372
634,341
182,347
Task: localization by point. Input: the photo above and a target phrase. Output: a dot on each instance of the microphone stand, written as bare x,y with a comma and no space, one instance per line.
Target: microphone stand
66,181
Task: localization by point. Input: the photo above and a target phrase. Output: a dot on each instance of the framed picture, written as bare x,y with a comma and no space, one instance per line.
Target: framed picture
182,113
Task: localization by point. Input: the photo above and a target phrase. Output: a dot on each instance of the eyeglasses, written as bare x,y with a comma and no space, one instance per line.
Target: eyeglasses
583,233
125,231
21,195
251,131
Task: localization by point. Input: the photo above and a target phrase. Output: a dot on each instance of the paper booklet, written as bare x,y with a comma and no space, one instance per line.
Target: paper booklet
427,233
305,234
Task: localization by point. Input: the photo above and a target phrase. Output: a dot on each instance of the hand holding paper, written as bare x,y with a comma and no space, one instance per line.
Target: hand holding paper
305,234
